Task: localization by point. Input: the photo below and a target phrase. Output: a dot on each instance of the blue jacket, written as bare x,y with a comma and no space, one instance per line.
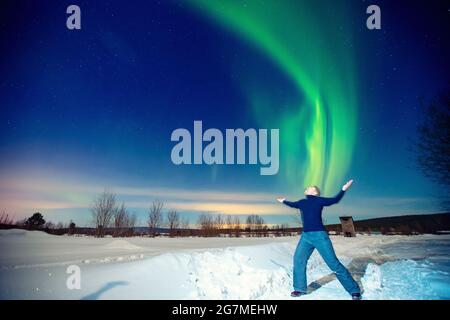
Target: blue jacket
311,210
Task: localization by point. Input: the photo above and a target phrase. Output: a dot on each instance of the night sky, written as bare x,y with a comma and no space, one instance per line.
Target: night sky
83,110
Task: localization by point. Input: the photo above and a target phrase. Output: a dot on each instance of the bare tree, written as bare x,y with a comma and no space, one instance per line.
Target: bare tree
255,224
219,222
237,226
250,223
207,224
260,225
155,216
173,221
130,220
120,220
103,211
129,224
5,219
229,224
185,227
229,221
433,146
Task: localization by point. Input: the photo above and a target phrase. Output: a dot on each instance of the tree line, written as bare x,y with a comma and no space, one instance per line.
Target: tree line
111,217
106,213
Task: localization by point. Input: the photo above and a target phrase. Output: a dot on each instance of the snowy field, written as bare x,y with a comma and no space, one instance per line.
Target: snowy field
33,265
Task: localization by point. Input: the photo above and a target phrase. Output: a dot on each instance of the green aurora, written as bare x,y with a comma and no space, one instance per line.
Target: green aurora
311,43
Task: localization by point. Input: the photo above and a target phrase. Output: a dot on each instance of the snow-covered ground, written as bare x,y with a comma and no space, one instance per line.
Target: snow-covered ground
33,265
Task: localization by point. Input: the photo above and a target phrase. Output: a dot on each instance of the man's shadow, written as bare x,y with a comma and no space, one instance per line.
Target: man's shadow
106,287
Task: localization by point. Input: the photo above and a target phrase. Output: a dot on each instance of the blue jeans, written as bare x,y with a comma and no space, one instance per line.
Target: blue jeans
319,240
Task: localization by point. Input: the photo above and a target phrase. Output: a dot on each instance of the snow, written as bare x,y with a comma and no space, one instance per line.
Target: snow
388,281
33,266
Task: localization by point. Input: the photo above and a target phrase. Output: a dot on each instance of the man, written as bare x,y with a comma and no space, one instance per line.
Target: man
315,236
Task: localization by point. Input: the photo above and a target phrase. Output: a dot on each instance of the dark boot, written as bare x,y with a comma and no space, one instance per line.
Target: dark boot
356,296
297,294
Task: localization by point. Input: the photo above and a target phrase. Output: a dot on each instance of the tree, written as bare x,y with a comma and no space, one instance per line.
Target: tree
155,216
237,226
185,226
207,224
173,220
36,221
219,222
229,224
5,219
130,223
260,225
251,222
120,219
103,211
255,223
433,145
72,227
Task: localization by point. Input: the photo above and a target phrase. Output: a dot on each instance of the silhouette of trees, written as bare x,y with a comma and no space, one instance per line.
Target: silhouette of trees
433,145
219,222
129,224
5,219
255,224
72,227
36,221
173,221
103,211
211,225
237,226
120,220
206,224
155,216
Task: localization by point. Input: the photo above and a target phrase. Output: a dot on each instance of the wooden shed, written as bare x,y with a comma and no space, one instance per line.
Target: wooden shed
348,228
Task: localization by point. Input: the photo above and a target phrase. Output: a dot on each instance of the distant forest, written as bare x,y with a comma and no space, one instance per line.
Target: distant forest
403,225
409,224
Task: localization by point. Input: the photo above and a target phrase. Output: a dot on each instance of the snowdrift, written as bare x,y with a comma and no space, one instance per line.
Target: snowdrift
261,269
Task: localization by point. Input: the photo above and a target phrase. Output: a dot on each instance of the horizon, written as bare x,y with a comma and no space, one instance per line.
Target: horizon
93,109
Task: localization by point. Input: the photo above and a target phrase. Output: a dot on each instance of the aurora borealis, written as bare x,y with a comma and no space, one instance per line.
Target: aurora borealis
320,66
83,110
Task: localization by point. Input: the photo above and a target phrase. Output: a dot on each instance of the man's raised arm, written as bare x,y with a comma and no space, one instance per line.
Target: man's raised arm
338,197
289,203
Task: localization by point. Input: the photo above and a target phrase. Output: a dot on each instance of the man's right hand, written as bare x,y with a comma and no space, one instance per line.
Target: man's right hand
281,200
